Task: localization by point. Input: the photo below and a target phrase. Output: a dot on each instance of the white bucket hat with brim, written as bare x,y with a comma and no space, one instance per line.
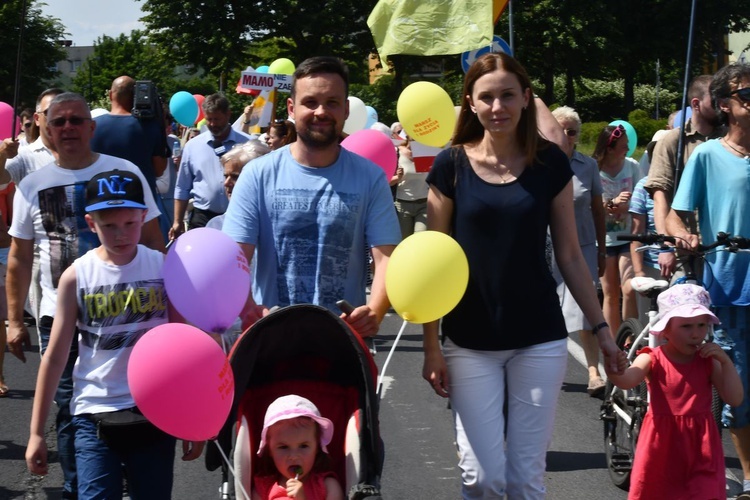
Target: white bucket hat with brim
683,301
293,406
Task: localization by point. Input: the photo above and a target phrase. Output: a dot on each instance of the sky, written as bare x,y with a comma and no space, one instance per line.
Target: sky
86,20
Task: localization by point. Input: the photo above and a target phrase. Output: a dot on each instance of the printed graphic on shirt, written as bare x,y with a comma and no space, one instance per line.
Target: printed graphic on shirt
62,210
122,304
318,231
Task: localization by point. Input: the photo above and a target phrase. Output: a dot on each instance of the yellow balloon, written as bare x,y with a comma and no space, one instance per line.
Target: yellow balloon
427,276
282,66
426,112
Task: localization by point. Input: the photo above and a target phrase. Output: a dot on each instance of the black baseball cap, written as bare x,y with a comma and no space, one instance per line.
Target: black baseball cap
114,189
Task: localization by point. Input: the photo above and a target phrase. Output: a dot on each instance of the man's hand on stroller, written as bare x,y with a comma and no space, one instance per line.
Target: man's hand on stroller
251,313
363,320
192,450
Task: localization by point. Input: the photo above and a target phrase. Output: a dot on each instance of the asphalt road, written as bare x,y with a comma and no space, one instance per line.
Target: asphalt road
416,426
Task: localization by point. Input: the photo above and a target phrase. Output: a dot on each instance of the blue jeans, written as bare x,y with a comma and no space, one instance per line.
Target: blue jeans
149,470
63,423
732,336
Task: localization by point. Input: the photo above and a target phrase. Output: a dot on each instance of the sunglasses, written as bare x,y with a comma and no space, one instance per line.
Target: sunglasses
616,134
743,94
27,125
76,121
570,132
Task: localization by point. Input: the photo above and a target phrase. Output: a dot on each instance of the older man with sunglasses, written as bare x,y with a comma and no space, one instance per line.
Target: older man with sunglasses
716,183
48,211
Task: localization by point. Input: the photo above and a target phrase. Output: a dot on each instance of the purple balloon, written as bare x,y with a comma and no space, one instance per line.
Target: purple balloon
207,278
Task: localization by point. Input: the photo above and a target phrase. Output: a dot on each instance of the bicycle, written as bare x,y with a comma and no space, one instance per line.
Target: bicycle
622,411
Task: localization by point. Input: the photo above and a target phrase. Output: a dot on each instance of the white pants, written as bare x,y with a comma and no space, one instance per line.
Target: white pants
478,379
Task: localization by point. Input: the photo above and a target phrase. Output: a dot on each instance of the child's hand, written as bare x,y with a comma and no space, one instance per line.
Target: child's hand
295,489
620,359
709,349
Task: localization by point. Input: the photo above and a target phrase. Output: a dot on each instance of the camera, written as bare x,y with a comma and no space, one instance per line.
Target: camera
146,102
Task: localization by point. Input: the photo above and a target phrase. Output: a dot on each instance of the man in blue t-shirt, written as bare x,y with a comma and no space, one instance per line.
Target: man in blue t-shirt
716,183
312,209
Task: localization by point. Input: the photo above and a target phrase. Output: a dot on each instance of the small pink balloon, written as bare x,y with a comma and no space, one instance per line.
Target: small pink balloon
376,147
182,381
6,121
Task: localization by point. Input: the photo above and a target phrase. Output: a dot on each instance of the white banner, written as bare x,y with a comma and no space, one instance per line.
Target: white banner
265,81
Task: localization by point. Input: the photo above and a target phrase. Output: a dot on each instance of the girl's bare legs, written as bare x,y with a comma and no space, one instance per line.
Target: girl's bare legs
629,299
611,290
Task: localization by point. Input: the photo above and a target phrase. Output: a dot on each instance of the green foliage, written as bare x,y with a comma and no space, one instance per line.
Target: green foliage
382,95
40,52
590,132
644,126
223,36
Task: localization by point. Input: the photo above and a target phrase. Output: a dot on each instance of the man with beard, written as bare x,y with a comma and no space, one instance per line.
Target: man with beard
312,209
201,175
701,126
716,184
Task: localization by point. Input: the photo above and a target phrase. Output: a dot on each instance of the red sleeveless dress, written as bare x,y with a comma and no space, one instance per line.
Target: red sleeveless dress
269,489
679,453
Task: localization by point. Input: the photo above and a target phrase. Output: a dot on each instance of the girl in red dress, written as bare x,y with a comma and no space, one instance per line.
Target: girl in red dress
679,453
293,462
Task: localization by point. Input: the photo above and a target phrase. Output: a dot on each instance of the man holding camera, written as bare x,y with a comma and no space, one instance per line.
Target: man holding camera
141,141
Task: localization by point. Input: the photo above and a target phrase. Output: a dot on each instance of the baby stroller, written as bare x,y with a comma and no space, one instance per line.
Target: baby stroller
309,351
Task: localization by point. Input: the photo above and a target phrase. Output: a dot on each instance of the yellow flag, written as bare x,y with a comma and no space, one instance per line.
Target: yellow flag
432,28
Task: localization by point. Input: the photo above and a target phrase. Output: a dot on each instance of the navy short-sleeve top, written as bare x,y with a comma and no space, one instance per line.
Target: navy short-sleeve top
511,300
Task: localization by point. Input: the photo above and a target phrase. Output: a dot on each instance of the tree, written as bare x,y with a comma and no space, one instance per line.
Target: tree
40,52
218,34
125,55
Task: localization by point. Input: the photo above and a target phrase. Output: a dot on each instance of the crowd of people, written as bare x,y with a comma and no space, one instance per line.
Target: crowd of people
87,206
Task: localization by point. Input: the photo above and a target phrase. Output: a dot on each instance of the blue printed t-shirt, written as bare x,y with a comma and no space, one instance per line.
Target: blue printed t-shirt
641,203
311,226
717,184
511,299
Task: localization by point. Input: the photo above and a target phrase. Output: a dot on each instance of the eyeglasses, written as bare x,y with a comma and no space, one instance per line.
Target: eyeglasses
76,121
571,132
616,134
27,125
743,94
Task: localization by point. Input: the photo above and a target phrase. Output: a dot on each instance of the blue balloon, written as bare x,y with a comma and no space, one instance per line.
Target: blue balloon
262,69
372,116
184,108
630,131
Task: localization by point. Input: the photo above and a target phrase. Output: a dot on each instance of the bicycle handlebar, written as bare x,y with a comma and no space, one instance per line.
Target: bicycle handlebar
722,239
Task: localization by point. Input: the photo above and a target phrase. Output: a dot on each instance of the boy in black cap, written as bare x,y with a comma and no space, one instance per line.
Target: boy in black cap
111,296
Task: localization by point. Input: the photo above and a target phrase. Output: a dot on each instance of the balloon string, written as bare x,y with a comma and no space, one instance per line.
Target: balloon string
229,466
388,359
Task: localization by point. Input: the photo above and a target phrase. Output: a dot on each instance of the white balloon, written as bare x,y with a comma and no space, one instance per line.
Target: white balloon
357,115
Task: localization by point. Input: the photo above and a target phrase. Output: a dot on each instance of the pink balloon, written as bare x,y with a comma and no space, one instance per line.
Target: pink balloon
182,381
207,278
376,147
199,99
6,121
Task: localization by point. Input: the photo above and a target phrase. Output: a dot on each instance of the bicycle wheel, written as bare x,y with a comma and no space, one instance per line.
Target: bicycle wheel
622,414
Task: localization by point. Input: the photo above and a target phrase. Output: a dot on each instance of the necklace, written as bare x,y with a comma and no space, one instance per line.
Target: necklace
745,155
503,178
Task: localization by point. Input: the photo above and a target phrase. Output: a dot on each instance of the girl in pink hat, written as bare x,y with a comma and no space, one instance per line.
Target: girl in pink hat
679,453
293,456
